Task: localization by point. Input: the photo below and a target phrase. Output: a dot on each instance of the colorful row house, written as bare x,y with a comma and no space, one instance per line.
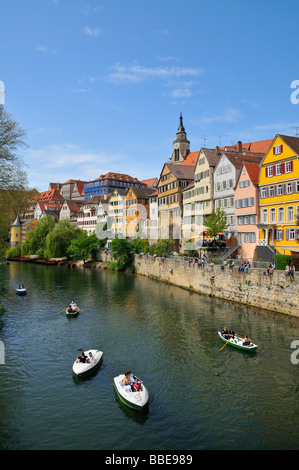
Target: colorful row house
279,198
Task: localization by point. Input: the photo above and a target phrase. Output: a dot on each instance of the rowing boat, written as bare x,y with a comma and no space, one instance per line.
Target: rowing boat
135,400
72,312
237,342
21,291
82,368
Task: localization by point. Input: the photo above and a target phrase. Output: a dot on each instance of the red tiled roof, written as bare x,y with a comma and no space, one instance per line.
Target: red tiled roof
253,170
191,159
260,146
149,182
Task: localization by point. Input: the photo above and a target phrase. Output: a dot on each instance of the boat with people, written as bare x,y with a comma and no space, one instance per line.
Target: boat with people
87,362
239,342
21,290
72,311
133,394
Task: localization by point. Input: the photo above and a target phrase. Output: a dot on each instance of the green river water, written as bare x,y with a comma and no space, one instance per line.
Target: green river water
200,397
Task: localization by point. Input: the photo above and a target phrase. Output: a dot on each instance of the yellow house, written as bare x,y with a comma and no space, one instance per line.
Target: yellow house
173,180
136,210
19,230
116,221
279,197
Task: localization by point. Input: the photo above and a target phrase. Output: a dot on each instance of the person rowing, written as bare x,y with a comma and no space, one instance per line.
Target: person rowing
246,341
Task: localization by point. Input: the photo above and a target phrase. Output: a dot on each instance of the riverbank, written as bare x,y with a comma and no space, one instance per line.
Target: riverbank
256,288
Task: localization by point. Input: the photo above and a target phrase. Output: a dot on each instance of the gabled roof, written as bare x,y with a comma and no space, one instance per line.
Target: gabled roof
181,171
292,142
151,182
52,194
238,158
191,159
73,206
260,146
253,170
118,177
144,193
211,155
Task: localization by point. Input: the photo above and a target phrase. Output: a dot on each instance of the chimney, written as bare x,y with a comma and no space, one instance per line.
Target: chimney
217,149
239,146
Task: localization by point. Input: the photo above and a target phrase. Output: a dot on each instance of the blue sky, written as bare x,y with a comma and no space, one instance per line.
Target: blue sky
99,85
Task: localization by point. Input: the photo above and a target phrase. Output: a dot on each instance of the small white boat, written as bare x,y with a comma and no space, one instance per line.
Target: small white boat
135,400
72,311
237,342
21,291
81,368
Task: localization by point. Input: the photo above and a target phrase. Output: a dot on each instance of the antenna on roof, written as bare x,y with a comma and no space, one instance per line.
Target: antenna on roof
204,139
219,137
297,131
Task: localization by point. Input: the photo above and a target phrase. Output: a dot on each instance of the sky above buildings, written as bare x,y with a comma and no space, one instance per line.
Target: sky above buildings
99,85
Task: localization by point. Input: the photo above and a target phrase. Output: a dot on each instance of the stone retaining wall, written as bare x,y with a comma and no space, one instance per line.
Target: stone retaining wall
274,292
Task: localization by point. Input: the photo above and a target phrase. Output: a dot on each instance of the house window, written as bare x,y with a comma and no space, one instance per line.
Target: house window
288,168
264,192
289,188
290,214
272,216
271,191
249,237
281,214
279,189
265,216
277,149
270,171
278,169
291,234
279,235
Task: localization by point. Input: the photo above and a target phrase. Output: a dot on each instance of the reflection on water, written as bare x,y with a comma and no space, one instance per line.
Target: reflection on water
167,336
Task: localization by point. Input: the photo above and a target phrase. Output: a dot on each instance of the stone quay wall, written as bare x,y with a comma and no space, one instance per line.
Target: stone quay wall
274,292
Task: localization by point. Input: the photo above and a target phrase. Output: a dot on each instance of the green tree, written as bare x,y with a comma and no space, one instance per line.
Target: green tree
36,240
121,251
83,246
216,222
13,178
60,238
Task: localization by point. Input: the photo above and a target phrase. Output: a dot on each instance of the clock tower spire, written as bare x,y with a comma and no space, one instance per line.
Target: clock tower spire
181,145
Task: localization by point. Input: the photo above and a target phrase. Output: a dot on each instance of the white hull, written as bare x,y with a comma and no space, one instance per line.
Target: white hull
136,400
21,291
80,368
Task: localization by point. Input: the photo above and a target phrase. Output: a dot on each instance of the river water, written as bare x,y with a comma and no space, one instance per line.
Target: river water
200,397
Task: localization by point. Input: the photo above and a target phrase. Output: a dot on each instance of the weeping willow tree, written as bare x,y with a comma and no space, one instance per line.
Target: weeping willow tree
35,243
60,238
13,178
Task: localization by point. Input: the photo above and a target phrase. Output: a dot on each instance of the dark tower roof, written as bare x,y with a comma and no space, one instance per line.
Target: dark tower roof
181,126
18,222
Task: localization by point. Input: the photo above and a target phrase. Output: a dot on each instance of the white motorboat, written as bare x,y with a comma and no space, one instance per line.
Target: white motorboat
81,368
136,400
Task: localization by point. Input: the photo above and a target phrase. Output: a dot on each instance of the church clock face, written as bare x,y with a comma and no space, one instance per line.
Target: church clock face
176,146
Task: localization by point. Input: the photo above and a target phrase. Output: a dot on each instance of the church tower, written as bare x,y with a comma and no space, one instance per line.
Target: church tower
181,146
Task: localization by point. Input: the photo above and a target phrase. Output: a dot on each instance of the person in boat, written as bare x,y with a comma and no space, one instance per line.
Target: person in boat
91,358
231,333
82,358
23,287
246,341
225,333
137,385
73,306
